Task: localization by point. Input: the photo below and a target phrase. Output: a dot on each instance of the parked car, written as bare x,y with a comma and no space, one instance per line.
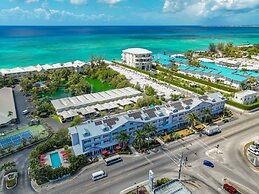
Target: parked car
25,112
208,163
230,189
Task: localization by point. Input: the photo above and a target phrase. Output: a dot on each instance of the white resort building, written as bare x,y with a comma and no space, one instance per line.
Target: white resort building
93,136
245,97
20,72
91,104
7,107
137,57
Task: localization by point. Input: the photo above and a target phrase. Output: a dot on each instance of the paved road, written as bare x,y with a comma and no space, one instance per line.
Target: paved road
131,170
22,161
165,161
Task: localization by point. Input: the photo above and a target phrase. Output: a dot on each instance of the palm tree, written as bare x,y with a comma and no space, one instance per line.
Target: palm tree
139,138
206,112
123,138
149,130
193,119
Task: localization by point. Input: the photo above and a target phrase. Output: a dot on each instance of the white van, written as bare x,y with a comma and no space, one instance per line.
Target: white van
99,175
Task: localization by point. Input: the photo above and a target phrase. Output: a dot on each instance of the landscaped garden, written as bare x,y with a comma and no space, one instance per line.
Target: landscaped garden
10,174
46,86
42,173
176,135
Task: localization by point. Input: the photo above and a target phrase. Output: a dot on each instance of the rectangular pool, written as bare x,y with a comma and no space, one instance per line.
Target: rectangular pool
55,160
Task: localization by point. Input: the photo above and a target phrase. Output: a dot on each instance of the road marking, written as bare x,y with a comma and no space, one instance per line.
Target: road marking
170,158
148,160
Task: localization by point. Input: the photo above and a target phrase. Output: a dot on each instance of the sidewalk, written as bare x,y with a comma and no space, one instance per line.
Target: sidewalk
47,186
134,151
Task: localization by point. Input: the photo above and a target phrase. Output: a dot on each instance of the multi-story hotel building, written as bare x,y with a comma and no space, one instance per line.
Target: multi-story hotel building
138,58
93,136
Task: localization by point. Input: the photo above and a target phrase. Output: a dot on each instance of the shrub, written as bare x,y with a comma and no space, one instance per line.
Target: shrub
161,181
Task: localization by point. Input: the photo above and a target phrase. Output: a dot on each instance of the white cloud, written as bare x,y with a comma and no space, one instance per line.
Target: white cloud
210,7
78,2
110,1
42,13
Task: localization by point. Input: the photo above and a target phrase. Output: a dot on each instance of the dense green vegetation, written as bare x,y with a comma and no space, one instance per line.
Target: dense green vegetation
43,86
243,106
43,173
214,85
162,181
7,82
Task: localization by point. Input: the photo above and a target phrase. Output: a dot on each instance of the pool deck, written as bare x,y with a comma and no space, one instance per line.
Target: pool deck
64,163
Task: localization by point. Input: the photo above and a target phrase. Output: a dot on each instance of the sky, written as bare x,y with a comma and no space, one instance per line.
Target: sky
129,12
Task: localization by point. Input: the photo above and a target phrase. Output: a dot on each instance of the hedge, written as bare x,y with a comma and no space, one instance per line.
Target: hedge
230,102
215,85
164,80
244,106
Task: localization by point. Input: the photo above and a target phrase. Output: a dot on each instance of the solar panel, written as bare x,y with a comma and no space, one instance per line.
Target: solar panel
177,105
204,97
188,101
135,115
111,121
98,122
150,112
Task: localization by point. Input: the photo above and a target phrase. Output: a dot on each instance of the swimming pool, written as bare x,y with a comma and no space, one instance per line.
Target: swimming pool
55,160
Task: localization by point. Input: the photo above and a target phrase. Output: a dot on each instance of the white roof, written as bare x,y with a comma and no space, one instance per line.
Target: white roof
246,93
94,98
7,104
137,51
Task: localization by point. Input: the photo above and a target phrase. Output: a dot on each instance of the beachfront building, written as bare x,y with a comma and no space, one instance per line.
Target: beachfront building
138,58
7,107
245,97
20,72
227,62
93,136
91,104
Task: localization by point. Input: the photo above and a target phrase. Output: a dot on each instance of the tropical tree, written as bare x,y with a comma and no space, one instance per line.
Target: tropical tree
24,141
220,46
212,47
193,119
123,138
206,112
139,138
150,91
149,130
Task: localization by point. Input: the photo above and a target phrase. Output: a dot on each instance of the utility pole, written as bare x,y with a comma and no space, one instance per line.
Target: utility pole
180,169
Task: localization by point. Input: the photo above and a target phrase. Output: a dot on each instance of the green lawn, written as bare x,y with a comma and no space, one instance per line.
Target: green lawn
11,183
97,85
36,130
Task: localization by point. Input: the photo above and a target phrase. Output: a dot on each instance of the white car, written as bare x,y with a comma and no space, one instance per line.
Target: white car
99,175
25,112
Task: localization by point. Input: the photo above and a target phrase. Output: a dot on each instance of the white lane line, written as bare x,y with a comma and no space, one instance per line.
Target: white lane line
206,145
148,160
172,159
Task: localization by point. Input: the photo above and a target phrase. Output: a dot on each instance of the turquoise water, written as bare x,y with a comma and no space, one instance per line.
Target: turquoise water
55,160
23,46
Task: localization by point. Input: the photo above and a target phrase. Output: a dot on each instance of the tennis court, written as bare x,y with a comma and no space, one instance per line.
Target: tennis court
15,140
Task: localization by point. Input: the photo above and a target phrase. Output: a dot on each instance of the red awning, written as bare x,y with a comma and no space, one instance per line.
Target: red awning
118,147
62,151
42,156
65,156
42,162
104,152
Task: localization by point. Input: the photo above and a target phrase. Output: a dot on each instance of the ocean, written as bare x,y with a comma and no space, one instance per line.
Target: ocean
30,45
